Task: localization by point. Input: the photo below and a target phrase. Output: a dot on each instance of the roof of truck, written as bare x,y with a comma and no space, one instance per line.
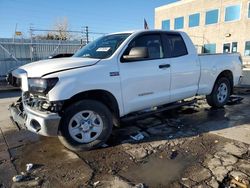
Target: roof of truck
142,30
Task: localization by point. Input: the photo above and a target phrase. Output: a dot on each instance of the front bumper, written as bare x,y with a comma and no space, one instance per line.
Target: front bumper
43,123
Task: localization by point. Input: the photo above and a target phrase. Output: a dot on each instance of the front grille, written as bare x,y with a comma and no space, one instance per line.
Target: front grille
41,103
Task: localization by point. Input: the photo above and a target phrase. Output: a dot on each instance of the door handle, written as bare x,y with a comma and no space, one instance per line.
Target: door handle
164,66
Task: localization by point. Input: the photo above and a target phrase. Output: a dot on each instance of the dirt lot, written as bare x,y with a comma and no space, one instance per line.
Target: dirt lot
194,146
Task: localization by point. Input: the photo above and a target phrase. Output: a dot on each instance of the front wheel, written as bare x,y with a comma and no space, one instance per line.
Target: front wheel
85,125
220,94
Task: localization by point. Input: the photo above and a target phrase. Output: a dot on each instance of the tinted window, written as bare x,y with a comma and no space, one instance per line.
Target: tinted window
194,20
247,48
166,24
212,16
179,23
152,42
234,47
226,48
248,10
174,45
232,13
209,48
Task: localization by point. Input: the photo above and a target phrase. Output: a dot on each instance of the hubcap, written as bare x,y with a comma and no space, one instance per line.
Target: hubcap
85,126
222,92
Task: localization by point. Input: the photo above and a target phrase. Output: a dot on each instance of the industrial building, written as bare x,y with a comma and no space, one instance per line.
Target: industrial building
215,26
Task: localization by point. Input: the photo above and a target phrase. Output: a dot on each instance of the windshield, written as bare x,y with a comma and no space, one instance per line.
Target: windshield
103,47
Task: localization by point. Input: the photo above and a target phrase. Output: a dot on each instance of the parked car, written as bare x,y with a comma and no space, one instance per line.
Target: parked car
61,55
80,98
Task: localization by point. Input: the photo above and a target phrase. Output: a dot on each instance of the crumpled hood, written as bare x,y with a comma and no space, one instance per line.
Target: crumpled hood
40,68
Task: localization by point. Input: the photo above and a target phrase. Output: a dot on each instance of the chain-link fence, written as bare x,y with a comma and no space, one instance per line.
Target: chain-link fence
14,53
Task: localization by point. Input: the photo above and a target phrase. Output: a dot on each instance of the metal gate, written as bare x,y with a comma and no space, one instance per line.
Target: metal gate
22,51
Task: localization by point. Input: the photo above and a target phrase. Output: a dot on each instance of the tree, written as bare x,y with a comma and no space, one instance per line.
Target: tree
62,27
59,32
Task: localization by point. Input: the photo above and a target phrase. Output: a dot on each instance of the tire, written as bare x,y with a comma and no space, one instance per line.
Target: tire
85,125
220,94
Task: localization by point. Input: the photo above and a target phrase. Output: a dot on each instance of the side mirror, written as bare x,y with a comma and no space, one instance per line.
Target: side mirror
136,54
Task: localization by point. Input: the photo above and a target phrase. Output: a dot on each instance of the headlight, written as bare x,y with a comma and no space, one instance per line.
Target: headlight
39,85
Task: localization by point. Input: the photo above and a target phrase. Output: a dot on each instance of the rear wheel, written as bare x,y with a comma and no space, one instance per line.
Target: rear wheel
220,94
86,125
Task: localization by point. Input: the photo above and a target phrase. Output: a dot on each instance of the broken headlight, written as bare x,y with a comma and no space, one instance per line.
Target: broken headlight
40,85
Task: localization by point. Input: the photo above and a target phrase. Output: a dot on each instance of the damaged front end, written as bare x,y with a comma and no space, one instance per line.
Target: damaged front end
17,115
34,111
36,114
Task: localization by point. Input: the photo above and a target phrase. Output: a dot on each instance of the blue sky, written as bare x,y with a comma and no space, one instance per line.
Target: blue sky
100,15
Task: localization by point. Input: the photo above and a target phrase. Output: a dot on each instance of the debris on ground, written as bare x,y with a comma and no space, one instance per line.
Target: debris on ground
105,145
174,154
231,181
116,181
234,100
96,183
138,137
140,185
239,184
37,182
240,177
29,167
19,178
170,136
137,153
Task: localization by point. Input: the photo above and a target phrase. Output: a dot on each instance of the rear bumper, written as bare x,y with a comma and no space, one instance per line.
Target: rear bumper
43,123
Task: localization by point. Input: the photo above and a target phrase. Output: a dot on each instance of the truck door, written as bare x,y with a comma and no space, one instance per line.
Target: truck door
185,67
145,82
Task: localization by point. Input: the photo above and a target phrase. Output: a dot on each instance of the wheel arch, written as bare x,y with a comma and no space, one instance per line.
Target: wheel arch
227,74
102,96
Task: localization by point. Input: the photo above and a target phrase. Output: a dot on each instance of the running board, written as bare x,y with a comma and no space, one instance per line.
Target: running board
143,114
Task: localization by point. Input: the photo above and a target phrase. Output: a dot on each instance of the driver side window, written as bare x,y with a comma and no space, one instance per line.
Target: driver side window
150,41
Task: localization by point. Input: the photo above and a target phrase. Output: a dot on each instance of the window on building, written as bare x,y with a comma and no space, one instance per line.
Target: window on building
165,24
179,23
234,47
212,16
226,48
232,13
209,48
247,48
249,10
194,20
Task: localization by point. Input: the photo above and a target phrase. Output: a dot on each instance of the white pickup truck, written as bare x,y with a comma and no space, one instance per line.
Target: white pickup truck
80,98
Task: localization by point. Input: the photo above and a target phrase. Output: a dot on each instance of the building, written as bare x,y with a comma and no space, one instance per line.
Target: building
215,26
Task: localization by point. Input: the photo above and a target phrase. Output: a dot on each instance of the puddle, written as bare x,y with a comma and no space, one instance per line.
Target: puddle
188,110
55,165
157,172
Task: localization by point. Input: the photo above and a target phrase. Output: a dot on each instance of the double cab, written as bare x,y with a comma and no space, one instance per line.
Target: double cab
80,98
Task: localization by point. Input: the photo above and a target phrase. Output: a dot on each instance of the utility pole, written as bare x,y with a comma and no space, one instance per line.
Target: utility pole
31,43
87,34
14,36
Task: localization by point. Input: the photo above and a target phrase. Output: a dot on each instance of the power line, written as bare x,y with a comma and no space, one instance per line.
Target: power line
68,31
